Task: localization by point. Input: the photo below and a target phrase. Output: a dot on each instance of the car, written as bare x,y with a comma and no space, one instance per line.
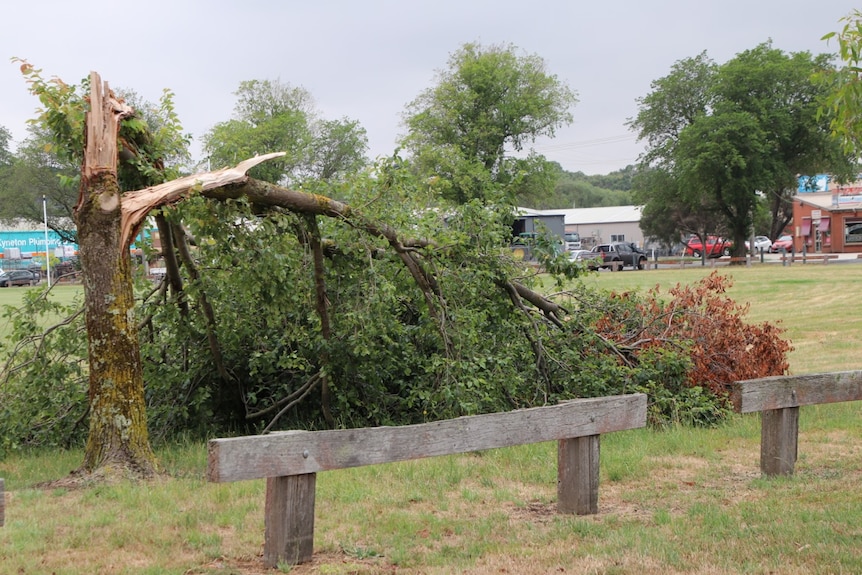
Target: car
785,243
18,278
573,241
590,258
715,247
623,253
760,243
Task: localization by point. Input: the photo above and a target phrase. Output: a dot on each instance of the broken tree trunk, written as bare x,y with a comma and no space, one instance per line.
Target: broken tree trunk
118,440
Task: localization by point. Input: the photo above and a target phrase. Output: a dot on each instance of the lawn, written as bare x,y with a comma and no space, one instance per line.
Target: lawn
12,296
675,501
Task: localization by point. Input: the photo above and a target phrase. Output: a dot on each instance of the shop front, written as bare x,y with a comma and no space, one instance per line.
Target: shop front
828,222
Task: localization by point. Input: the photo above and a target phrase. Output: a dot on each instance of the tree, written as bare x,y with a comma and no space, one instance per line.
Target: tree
337,148
720,159
771,93
844,99
489,101
34,174
5,153
108,219
271,116
781,92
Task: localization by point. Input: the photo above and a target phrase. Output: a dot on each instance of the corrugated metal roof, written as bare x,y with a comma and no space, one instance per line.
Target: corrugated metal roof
603,215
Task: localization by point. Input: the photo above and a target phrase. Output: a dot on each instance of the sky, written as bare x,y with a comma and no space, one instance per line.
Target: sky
367,59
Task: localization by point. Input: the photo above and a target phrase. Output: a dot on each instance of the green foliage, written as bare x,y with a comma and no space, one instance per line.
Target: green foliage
696,121
43,382
388,359
841,105
270,116
578,190
487,99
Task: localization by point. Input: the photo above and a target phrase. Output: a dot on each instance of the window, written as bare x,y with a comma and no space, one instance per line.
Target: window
618,237
853,231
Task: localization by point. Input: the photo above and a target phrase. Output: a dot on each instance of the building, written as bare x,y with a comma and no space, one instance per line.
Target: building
827,217
602,225
828,222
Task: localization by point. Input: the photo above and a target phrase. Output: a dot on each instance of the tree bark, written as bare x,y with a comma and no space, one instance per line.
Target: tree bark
322,313
118,440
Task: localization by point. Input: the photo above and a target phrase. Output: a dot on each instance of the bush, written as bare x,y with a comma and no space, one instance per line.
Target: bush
686,349
43,382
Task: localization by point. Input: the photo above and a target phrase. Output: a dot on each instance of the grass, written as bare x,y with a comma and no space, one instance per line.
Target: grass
63,293
675,501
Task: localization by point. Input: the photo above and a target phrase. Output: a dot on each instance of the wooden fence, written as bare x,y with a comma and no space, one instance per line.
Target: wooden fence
290,460
778,400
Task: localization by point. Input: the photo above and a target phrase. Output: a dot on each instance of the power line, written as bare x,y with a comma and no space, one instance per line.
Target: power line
586,143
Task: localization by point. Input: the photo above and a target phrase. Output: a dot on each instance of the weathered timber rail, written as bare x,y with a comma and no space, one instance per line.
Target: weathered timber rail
290,460
807,258
778,400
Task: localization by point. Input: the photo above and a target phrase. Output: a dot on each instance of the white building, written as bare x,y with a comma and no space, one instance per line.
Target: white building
602,225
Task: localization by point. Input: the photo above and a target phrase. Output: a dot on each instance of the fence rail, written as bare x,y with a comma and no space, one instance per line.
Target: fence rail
290,460
778,400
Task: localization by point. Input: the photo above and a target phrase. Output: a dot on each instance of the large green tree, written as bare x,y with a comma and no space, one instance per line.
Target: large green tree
271,116
781,93
488,103
720,162
775,95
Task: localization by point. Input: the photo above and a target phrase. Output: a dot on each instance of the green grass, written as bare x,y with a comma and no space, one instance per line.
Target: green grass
675,501
64,294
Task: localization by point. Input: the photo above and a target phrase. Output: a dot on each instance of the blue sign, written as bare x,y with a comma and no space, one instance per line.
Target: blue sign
28,244
818,183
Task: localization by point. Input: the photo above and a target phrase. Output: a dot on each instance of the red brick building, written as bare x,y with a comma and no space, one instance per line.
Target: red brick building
828,222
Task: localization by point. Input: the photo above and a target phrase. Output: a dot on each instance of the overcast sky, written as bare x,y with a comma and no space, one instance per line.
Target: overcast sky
366,59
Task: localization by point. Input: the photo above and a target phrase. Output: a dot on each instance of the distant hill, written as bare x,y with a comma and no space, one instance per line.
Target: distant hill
578,190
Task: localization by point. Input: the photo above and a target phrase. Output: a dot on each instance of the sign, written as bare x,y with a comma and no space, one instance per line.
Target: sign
817,183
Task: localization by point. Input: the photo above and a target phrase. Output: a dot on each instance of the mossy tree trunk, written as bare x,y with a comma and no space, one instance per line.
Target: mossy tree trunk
118,439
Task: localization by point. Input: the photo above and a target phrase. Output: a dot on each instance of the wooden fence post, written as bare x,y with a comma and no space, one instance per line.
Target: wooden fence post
779,437
2,503
578,475
290,460
289,519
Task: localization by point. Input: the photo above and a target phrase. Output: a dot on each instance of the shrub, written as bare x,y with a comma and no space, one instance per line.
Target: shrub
686,349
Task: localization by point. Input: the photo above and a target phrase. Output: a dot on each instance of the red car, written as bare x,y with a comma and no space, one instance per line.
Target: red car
784,242
715,247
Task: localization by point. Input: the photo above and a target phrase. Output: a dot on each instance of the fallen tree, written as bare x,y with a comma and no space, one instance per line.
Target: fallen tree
108,221
380,326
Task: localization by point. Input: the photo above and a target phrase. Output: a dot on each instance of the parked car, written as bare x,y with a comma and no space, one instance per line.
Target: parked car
588,257
715,247
760,243
573,241
785,243
625,253
18,278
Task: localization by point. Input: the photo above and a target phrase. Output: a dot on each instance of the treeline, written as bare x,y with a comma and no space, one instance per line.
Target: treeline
579,190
